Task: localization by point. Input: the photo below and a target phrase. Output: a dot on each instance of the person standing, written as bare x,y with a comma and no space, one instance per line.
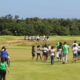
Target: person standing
4,54
60,51
75,43
57,46
38,52
28,37
3,68
65,52
24,37
49,48
33,52
52,54
79,51
45,52
75,53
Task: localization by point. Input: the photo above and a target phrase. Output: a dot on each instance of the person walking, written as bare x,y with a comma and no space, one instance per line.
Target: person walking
4,54
52,54
65,52
3,68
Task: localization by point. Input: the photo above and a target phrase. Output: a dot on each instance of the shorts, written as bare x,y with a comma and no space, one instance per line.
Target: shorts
46,54
74,55
78,53
60,56
6,59
33,54
38,54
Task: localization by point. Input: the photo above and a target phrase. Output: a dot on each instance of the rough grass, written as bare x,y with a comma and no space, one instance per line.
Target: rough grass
23,68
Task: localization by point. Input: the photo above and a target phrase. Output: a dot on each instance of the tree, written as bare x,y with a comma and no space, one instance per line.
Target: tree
16,17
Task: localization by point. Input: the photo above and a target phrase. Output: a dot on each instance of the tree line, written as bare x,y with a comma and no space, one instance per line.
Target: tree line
10,25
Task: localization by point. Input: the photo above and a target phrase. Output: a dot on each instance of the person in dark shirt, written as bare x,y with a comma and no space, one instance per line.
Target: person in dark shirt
33,52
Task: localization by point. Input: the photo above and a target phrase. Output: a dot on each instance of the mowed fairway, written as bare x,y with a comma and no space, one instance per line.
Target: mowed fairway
23,68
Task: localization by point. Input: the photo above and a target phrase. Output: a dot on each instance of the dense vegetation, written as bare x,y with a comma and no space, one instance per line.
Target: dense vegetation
10,25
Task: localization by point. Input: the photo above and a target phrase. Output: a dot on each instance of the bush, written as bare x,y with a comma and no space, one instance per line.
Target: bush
6,32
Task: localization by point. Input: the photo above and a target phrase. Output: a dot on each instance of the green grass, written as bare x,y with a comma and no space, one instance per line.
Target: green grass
23,68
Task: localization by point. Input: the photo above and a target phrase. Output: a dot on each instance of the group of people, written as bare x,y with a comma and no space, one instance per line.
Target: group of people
76,51
37,38
3,63
61,52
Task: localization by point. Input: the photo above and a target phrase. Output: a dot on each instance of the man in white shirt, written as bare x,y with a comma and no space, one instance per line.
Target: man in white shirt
75,53
75,43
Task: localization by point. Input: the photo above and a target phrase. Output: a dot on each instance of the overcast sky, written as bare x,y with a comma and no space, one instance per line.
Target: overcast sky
41,8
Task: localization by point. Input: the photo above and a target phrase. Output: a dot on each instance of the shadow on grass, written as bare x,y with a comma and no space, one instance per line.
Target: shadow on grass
39,63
